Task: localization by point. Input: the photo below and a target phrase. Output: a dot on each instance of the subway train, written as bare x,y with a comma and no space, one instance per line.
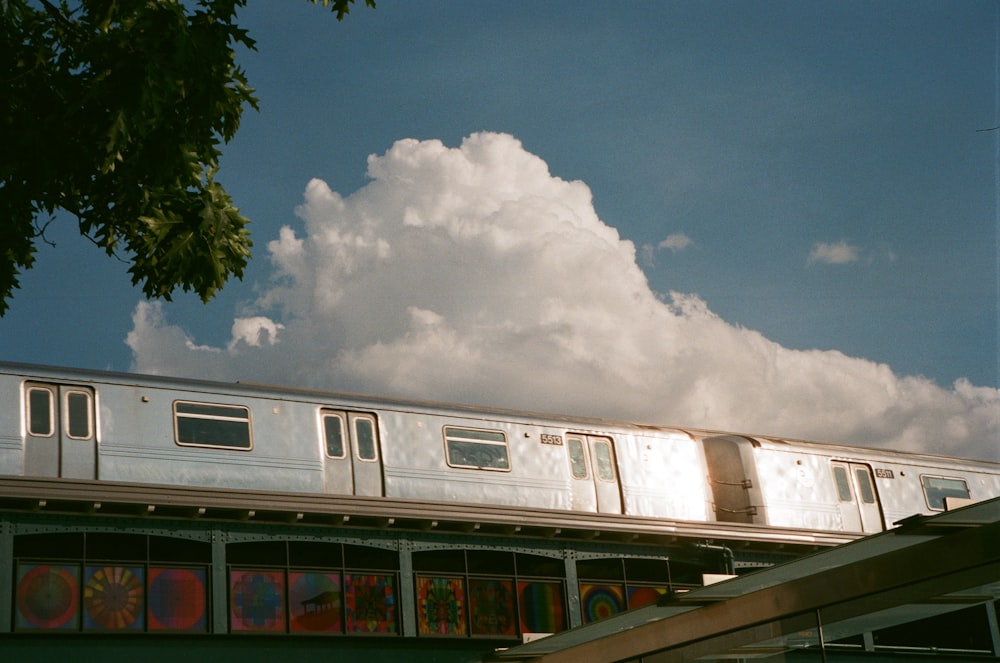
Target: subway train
57,422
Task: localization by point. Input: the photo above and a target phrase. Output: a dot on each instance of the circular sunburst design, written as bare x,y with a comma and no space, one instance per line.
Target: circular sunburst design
113,597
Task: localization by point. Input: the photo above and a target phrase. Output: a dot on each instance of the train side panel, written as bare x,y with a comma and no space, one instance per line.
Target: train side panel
139,441
796,490
907,486
664,476
11,433
432,456
865,490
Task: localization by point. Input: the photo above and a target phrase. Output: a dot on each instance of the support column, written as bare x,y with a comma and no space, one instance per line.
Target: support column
407,592
7,576
220,606
573,609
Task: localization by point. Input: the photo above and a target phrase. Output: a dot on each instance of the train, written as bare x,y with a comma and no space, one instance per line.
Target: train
121,427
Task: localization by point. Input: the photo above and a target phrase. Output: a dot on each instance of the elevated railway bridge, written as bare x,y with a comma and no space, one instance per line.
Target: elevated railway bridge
115,569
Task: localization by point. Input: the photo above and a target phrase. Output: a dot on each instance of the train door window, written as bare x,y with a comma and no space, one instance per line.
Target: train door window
844,492
865,489
605,465
333,434
211,425
476,449
936,489
364,436
577,457
79,421
40,412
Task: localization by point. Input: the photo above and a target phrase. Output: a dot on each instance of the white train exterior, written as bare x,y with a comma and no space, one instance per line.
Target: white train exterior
143,429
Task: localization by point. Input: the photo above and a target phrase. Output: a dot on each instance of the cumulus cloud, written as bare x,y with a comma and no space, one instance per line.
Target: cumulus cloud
676,242
833,253
472,274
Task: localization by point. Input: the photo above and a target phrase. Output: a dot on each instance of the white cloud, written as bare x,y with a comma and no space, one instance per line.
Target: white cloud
676,242
833,253
471,274
252,330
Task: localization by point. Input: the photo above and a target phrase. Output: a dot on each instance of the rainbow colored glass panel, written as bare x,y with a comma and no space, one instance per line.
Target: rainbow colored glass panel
177,599
47,596
440,606
314,602
257,601
369,603
491,607
114,598
541,606
640,596
601,601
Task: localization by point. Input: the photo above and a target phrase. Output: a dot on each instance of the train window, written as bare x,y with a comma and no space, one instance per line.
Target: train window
40,419
936,489
364,437
333,433
209,425
865,485
605,466
577,457
476,449
844,492
79,423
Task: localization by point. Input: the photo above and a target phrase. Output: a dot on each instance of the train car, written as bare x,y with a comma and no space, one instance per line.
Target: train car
167,431
807,485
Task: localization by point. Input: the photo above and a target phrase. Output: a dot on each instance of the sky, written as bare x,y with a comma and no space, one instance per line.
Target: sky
767,217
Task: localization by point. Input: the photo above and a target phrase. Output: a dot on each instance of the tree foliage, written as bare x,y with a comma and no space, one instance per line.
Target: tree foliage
114,111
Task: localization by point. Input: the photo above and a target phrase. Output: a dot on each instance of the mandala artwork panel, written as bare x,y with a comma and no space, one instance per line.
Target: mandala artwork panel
47,597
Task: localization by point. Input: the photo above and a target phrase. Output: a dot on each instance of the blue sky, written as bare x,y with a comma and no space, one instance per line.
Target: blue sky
807,177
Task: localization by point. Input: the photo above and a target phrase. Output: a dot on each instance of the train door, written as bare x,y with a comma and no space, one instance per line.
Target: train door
60,431
595,481
353,461
858,499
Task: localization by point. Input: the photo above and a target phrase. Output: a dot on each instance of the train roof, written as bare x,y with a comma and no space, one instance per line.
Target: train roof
286,392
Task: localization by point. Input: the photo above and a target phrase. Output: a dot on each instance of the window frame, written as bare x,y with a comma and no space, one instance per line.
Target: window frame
927,497
229,406
865,484
29,411
573,464
68,416
502,442
345,441
842,482
601,442
353,419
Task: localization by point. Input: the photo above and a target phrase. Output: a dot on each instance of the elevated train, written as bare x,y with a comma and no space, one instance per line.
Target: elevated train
93,425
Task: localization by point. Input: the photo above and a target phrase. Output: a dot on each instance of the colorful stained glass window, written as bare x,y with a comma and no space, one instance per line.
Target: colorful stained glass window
47,596
541,606
601,601
114,598
369,603
257,600
640,596
177,599
314,602
491,607
440,606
